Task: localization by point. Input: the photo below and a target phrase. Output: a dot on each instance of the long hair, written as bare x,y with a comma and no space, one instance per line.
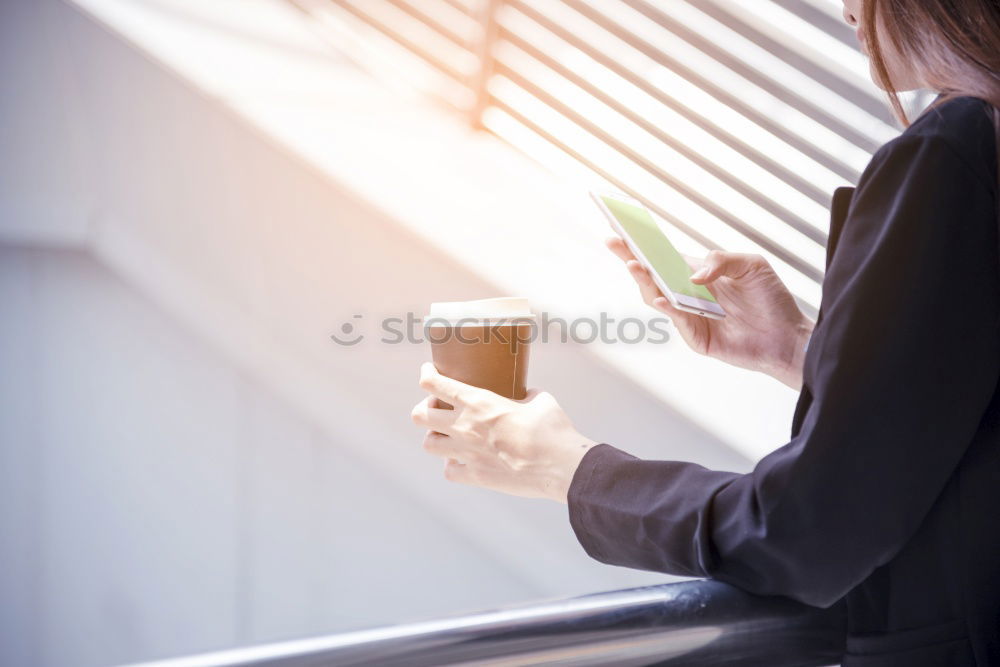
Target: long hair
954,45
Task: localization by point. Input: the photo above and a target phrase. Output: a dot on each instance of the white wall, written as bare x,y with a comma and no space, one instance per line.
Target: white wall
186,460
157,499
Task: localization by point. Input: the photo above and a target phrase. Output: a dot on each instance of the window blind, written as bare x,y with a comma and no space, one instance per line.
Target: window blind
733,120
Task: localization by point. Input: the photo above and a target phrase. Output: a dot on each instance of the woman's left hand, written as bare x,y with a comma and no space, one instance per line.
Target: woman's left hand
525,448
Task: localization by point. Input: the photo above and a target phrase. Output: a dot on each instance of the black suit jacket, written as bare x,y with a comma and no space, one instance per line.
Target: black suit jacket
887,496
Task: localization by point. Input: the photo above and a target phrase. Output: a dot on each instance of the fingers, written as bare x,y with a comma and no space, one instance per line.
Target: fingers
448,390
446,446
691,327
663,303
435,419
617,246
456,471
541,396
647,288
683,320
530,394
729,264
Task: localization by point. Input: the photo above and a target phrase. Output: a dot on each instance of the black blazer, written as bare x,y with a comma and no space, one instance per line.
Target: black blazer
888,493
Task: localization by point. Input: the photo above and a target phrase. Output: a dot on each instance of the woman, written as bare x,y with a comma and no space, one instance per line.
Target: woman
888,493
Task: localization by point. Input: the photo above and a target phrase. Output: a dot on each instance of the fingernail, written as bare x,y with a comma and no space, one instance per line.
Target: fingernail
699,274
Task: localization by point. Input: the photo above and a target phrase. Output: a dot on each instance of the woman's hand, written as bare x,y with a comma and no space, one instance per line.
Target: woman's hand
763,330
525,448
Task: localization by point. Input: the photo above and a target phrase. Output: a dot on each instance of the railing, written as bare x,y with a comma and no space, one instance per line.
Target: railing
691,623
733,120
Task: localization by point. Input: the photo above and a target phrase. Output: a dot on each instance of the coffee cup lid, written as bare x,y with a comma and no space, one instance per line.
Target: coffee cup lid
499,309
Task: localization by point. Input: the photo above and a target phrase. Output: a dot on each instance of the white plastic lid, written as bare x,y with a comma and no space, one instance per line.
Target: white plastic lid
499,309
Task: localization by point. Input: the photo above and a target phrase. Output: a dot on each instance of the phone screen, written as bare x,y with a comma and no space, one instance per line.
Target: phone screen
658,250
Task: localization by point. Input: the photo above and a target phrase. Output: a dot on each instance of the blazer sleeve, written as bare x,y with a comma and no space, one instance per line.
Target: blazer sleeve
902,367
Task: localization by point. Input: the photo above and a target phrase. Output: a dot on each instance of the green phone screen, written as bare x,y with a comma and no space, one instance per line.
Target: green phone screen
661,254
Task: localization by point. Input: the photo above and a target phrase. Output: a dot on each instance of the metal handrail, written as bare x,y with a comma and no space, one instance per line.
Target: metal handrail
691,623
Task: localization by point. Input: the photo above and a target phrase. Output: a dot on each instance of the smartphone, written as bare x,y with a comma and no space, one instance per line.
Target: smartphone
633,222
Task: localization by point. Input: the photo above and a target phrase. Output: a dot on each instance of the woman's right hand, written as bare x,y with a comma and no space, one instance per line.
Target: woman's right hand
763,330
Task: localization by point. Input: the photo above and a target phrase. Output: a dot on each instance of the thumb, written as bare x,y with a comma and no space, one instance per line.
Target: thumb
531,393
718,264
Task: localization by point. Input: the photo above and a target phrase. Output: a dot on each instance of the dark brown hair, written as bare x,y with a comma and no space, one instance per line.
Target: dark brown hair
954,45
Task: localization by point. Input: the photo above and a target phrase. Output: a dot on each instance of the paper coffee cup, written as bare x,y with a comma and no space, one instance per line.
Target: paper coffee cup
484,343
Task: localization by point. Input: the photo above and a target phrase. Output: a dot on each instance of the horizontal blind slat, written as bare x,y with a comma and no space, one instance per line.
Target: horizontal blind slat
729,119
